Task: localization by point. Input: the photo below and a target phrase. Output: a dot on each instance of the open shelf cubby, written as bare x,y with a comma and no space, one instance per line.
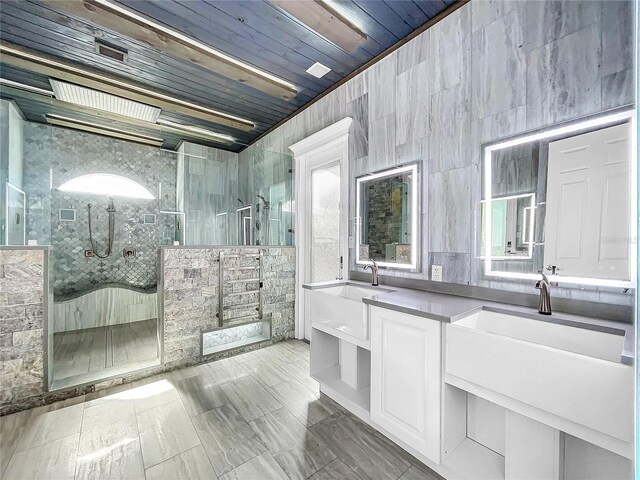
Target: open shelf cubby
343,370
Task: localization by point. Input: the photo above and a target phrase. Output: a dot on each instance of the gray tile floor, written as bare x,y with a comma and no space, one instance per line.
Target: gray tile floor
256,416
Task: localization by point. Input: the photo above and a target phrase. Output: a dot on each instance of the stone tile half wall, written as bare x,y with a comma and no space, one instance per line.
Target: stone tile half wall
190,292
22,291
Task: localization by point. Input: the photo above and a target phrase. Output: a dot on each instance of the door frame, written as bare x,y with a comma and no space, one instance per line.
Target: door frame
335,135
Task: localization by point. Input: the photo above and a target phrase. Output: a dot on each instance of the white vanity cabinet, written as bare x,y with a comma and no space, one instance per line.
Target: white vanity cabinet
406,378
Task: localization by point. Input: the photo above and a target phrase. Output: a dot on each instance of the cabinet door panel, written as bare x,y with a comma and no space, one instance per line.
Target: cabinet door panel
403,374
405,379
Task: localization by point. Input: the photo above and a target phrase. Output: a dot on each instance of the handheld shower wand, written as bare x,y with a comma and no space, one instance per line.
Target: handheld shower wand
111,209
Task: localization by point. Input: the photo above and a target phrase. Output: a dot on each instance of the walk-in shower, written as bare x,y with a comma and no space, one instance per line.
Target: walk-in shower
106,207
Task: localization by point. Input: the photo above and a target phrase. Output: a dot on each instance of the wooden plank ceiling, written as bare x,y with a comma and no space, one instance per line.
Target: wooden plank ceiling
260,33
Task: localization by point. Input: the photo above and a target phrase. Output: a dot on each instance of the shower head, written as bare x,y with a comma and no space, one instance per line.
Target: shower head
264,200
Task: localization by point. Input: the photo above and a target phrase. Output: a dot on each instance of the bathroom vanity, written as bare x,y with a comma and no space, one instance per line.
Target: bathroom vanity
478,389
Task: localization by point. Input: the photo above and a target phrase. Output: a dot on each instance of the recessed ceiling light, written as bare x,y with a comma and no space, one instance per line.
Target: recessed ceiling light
87,97
194,129
318,70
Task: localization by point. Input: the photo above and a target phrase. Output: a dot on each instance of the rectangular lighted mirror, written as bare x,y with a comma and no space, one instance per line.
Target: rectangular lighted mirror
562,202
387,229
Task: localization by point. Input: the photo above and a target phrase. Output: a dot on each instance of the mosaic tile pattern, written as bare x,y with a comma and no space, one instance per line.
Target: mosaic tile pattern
69,154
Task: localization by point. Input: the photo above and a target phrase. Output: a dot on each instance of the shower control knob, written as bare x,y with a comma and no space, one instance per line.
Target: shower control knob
129,252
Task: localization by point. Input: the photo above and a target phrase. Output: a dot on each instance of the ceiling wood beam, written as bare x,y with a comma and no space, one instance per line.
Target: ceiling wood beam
173,44
102,130
45,65
55,106
321,18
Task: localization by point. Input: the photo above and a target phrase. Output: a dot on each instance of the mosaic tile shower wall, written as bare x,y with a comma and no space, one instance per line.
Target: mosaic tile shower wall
68,154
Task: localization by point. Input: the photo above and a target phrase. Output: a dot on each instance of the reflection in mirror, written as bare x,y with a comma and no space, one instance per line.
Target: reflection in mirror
387,206
561,202
513,221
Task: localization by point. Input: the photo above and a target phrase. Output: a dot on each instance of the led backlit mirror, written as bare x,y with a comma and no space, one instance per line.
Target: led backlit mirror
560,200
387,219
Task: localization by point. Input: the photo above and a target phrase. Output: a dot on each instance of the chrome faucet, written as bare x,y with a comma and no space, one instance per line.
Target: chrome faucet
544,307
374,272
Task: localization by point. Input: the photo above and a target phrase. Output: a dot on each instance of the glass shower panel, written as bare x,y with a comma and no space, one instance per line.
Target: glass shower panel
13,197
266,179
171,228
15,214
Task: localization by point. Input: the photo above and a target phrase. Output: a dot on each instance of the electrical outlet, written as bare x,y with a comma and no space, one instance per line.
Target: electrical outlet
436,273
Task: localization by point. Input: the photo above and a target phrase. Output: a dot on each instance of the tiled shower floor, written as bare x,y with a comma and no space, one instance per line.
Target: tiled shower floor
87,352
256,416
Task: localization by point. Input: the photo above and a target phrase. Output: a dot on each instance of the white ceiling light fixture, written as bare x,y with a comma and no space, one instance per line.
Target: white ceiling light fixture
318,70
202,46
25,87
88,97
106,184
194,129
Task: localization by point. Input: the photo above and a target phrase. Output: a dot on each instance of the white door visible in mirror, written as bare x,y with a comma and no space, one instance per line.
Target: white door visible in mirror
326,256
588,204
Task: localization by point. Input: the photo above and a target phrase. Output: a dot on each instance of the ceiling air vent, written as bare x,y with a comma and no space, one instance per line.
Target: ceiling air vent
111,51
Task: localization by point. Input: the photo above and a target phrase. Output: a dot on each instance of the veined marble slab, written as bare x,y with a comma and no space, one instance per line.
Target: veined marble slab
106,306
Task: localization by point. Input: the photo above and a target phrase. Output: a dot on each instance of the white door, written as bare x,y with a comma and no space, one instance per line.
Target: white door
588,204
405,379
322,200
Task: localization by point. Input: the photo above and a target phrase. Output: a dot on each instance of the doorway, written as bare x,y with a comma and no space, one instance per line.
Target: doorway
322,202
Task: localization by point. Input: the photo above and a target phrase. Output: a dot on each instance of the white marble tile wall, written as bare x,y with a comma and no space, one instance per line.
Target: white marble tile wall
490,70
